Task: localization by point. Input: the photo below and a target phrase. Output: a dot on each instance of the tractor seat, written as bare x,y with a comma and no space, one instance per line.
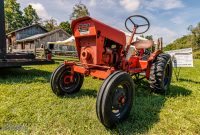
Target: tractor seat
141,44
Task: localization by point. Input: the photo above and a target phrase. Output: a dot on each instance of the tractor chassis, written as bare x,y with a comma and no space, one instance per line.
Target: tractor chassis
103,72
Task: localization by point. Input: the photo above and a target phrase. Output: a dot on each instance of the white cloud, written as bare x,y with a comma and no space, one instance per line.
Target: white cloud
167,34
40,9
21,1
164,4
177,20
130,5
92,3
133,5
114,13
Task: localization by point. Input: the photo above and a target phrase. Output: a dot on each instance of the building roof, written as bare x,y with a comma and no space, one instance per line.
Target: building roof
31,38
41,35
37,24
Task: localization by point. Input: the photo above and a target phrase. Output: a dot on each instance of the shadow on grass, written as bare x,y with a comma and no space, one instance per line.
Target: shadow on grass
59,60
188,80
20,75
146,111
83,93
176,91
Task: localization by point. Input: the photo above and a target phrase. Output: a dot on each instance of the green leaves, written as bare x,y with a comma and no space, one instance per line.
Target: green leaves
66,27
196,35
30,16
79,10
13,15
16,19
187,41
50,24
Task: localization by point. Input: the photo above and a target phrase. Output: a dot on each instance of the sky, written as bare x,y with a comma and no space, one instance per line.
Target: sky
168,18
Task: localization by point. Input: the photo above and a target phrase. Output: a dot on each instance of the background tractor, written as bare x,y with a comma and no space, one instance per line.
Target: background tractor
104,54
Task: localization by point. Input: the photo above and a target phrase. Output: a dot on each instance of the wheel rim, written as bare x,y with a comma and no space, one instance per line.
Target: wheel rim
65,83
120,99
167,75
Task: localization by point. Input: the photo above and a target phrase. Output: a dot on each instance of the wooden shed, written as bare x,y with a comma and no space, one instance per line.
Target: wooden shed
23,33
40,40
33,37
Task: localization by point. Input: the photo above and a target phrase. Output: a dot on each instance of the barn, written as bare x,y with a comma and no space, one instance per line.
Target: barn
32,37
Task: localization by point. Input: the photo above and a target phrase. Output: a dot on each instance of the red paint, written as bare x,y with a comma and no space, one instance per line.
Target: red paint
101,50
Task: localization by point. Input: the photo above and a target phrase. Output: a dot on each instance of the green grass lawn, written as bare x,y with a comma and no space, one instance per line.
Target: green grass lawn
28,106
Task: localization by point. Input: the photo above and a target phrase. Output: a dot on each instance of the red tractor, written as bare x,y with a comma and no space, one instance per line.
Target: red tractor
104,53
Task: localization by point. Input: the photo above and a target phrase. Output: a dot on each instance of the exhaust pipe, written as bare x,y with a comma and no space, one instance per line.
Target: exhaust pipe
2,31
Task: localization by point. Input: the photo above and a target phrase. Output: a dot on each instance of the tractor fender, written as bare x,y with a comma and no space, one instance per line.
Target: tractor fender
154,55
150,60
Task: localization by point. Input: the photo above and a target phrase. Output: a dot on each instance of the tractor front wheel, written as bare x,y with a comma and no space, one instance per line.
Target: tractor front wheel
61,83
161,73
115,99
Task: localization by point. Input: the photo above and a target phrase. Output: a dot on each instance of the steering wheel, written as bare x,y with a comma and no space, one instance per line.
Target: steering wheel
132,20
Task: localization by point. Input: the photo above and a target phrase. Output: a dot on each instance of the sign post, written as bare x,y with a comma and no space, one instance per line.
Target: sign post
181,58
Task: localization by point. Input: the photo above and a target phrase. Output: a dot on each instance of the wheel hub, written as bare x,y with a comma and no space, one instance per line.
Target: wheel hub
67,80
119,99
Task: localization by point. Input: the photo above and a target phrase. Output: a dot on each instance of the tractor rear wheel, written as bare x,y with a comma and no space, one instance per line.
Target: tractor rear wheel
115,99
161,73
60,81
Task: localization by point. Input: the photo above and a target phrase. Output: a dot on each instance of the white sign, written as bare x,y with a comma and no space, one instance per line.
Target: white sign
182,57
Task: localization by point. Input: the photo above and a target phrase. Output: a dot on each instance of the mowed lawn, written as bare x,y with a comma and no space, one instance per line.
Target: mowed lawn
28,106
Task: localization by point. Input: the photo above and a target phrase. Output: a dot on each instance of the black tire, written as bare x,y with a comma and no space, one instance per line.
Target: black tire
57,81
161,73
110,97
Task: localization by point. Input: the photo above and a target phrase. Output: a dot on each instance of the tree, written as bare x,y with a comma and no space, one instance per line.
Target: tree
13,16
50,24
149,37
16,19
79,10
30,16
66,27
188,41
196,35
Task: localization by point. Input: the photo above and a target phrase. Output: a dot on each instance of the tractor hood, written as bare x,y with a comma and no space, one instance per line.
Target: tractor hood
87,26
